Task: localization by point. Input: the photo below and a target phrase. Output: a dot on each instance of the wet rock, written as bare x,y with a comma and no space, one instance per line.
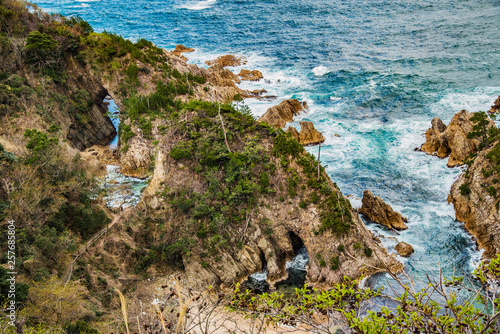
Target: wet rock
404,249
283,113
309,135
451,140
376,210
248,75
227,60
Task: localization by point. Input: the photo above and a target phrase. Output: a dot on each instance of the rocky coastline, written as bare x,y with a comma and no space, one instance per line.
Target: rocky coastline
474,194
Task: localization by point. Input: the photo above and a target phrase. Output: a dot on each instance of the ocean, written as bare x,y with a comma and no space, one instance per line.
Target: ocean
373,72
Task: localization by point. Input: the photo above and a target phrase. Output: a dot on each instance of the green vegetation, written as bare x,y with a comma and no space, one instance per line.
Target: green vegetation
438,308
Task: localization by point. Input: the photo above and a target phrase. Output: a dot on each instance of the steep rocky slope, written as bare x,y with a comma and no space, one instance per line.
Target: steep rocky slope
475,199
475,194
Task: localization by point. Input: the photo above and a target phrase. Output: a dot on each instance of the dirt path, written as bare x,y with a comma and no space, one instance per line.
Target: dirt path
115,219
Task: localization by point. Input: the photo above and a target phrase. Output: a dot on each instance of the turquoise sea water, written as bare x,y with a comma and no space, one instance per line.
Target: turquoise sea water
374,72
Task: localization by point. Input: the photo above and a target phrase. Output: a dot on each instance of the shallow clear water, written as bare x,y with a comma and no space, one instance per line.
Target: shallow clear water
374,72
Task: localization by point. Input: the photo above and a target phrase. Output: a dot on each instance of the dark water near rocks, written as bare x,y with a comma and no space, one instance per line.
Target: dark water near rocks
375,72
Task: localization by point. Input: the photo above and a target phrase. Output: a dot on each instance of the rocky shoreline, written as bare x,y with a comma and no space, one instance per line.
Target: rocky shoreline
474,193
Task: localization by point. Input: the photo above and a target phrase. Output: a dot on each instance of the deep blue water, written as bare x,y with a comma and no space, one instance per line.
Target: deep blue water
374,72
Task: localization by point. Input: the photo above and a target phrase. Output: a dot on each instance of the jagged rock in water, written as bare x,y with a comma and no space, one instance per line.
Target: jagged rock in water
309,135
404,249
376,210
220,76
248,75
474,198
227,60
283,113
495,107
451,140
179,49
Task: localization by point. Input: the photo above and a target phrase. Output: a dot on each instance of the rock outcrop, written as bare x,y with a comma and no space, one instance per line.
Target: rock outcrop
227,60
283,113
451,140
293,131
475,199
309,135
495,107
376,210
404,249
180,49
248,75
262,249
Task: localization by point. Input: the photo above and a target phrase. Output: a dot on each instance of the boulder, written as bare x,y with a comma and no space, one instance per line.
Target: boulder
227,60
452,140
376,210
404,249
283,113
309,135
248,75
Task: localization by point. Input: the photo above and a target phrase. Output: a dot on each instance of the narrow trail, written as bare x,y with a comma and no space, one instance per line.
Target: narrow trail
115,219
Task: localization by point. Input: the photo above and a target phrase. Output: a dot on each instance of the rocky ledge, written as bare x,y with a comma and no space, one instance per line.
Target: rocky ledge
376,210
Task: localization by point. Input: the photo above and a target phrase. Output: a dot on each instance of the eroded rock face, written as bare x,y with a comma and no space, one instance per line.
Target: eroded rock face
496,106
451,140
287,222
404,249
136,160
283,113
376,210
248,75
227,60
476,206
309,135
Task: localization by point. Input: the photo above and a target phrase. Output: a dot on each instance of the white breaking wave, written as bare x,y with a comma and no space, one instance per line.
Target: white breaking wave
320,70
199,5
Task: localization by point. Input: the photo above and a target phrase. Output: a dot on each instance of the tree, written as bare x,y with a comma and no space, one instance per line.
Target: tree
480,129
41,49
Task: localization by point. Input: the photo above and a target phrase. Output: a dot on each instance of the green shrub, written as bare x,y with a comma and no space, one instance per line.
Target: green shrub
334,263
464,189
368,251
181,150
340,248
322,263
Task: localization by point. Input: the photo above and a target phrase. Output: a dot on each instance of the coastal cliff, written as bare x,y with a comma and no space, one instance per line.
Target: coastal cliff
475,199
472,139
228,195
